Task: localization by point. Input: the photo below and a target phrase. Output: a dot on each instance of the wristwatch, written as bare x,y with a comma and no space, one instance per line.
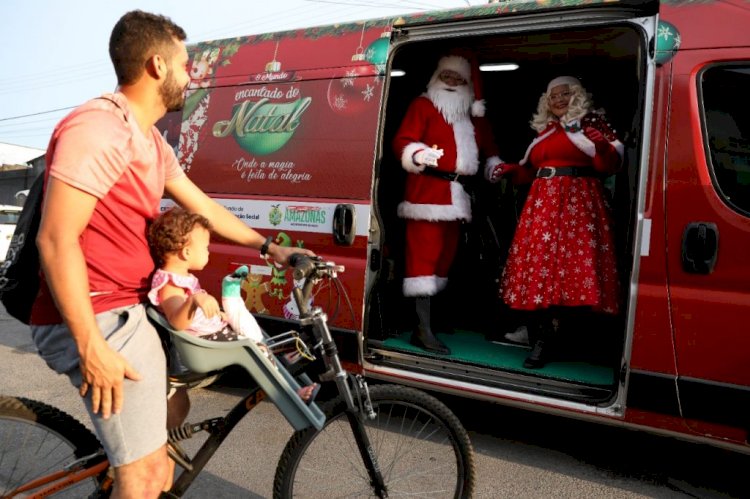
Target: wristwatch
266,245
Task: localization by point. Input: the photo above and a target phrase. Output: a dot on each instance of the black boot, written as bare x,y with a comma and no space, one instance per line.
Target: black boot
539,355
422,336
536,358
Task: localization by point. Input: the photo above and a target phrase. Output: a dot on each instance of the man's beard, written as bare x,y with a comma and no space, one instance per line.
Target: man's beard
172,96
455,105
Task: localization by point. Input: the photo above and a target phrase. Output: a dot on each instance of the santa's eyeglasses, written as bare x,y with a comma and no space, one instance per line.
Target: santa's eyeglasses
451,78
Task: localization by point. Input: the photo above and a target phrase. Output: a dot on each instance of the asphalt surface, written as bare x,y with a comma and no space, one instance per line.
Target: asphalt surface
518,454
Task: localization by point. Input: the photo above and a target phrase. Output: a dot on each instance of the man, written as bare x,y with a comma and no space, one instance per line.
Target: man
439,145
108,168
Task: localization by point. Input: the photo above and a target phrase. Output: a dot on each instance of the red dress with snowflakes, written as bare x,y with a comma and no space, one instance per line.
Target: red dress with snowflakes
563,250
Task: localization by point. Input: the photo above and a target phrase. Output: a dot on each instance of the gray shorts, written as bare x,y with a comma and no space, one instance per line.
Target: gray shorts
141,426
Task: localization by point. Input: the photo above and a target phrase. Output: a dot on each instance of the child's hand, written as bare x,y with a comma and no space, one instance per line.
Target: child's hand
207,303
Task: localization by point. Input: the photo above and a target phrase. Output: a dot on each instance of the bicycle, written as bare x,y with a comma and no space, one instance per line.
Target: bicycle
379,441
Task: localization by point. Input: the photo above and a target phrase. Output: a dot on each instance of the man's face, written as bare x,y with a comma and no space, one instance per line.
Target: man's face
451,78
172,90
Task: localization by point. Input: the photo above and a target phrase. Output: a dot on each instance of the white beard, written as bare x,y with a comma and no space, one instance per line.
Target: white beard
455,105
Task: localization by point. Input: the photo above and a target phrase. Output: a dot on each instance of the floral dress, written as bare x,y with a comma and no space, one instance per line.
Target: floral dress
563,251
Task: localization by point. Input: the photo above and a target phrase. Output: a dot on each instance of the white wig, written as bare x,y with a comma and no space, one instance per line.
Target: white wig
580,105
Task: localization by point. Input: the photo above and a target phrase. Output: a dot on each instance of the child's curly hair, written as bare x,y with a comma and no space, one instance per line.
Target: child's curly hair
169,232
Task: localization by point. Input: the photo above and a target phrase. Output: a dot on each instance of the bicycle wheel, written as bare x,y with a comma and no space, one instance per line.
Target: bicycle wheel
420,446
37,440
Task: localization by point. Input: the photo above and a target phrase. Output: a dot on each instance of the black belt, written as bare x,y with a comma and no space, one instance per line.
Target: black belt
451,176
563,171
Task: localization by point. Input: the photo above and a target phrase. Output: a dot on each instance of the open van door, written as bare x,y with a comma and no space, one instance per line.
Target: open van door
281,129
609,46
708,217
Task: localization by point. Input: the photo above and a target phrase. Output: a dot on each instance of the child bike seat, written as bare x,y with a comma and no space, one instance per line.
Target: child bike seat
203,356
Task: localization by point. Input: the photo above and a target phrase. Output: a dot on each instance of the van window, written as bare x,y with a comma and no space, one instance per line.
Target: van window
727,131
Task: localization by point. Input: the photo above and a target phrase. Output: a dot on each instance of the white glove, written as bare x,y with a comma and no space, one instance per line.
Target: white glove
427,157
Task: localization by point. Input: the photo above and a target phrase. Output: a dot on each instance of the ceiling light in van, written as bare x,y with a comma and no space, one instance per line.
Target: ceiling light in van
397,72
504,66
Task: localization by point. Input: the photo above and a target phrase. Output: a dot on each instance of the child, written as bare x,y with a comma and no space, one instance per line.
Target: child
179,241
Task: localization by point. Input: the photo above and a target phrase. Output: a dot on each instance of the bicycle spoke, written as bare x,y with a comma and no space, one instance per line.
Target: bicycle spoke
418,444
37,441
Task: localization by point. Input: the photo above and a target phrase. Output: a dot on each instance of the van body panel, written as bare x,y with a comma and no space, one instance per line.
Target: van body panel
727,19
652,348
705,307
290,129
708,306
282,130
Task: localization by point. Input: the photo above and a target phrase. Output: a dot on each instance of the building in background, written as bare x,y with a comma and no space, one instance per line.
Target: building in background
19,166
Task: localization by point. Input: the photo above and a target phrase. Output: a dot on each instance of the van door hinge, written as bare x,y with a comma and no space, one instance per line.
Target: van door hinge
623,373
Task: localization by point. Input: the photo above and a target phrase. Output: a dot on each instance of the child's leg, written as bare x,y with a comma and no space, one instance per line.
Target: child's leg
238,316
243,322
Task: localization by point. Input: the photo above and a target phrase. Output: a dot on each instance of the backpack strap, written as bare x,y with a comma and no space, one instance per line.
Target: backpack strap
118,106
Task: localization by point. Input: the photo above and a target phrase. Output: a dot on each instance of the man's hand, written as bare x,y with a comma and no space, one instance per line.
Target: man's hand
103,371
280,254
597,137
503,169
427,157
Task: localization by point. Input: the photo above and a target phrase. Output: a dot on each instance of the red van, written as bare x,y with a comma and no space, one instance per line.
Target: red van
292,131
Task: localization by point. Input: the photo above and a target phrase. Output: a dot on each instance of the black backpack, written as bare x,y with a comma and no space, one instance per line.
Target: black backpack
19,273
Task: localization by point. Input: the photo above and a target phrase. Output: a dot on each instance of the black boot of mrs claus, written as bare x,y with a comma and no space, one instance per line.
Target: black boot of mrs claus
540,351
422,336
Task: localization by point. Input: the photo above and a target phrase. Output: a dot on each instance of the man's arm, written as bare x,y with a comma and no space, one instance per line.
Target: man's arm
185,193
65,214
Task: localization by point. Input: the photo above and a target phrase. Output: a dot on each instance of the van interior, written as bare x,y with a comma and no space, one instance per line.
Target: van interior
609,61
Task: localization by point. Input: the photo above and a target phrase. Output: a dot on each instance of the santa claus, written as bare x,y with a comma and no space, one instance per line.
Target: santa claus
439,143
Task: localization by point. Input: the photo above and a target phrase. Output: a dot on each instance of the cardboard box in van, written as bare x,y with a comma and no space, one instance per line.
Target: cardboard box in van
292,131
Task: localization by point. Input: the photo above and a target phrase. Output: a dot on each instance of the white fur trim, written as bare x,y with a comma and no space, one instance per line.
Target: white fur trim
490,165
589,148
459,209
467,152
407,160
583,143
478,108
429,285
455,63
619,147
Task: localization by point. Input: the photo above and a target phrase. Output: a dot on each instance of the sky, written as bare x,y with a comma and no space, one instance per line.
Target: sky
54,52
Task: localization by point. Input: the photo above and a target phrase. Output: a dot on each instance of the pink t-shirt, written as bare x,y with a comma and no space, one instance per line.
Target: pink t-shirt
200,325
99,149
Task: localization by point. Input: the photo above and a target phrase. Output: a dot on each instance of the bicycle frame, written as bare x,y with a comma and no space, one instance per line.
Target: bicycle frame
60,480
218,429
317,320
313,320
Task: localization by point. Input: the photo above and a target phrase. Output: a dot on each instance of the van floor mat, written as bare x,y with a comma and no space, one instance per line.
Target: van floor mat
474,348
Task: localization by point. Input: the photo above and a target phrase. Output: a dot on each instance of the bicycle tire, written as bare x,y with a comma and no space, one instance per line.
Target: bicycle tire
411,437
36,440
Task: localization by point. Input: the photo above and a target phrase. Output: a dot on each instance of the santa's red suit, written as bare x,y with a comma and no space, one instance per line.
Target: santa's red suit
434,207
563,251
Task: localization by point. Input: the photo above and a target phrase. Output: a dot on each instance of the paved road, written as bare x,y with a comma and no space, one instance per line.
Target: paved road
518,454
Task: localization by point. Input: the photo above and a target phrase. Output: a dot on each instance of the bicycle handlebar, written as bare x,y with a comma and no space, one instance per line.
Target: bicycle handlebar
312,266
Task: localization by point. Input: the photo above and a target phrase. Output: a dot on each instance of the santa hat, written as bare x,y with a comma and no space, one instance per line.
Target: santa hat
563,80
469,71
